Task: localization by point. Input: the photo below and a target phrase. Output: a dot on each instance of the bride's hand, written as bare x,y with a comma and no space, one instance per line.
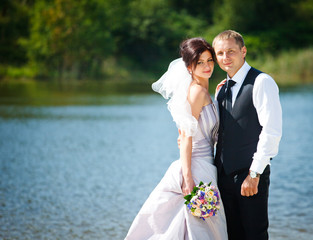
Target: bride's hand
187,185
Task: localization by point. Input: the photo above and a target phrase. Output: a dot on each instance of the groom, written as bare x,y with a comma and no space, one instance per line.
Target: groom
249,135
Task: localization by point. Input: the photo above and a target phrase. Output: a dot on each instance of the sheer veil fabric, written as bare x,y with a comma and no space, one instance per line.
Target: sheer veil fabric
174,84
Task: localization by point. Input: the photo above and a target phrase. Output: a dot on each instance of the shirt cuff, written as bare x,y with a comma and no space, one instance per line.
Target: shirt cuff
259,165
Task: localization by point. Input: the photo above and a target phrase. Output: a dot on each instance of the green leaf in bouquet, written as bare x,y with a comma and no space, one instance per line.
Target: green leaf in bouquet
195,189
188,197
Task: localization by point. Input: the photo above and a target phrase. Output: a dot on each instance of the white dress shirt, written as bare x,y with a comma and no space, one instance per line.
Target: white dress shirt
265,97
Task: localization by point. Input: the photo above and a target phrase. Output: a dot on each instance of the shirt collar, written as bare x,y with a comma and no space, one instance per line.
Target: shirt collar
241,74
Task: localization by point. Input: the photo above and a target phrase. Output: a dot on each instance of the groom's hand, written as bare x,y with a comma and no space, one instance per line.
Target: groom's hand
249,187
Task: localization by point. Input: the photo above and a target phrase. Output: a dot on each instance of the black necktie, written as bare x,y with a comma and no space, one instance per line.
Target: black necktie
228,95
227,102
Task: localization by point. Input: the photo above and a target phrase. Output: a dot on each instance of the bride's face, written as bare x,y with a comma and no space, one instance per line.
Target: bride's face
203,69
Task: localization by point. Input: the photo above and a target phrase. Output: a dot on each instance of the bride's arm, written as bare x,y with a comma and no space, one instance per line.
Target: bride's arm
196,99
185,158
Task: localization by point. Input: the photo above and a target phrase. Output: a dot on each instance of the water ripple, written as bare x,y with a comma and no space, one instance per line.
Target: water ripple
83,172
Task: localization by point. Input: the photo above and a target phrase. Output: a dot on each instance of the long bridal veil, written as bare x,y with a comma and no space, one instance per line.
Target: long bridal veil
174,85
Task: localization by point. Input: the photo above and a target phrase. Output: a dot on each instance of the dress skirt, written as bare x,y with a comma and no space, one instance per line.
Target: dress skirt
165,216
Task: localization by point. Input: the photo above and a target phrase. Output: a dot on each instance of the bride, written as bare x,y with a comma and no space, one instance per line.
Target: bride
164,214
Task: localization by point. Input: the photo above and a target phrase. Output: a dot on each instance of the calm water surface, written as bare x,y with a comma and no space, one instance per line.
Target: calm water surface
82,171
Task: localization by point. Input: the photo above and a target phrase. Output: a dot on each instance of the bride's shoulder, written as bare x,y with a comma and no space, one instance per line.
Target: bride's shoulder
197,92
197,89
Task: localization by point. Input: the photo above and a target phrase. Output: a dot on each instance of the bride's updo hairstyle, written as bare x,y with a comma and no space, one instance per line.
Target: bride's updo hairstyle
192,48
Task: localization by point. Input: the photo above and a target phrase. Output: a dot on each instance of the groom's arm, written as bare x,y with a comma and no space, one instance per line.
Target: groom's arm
267,104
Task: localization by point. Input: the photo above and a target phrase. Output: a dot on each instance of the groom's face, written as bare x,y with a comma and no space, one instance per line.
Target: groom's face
229,56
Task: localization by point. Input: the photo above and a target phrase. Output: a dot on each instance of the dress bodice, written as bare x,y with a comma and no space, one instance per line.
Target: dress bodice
206,136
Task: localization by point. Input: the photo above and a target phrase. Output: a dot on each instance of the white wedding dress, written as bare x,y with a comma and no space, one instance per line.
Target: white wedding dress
164,214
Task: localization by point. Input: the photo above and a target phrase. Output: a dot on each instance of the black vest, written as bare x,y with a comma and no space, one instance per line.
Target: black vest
238,139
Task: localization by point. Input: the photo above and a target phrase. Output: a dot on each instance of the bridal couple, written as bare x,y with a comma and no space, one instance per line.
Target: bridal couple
244,119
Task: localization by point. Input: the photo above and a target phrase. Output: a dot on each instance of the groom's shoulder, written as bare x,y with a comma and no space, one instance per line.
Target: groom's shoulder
264,81
261,76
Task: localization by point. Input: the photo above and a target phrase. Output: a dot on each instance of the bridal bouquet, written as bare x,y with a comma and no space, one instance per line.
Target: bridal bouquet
203,201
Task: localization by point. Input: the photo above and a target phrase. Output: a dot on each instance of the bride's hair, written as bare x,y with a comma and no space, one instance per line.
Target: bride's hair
192,48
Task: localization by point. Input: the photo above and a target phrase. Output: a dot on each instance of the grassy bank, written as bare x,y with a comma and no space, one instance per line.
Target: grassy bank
289,69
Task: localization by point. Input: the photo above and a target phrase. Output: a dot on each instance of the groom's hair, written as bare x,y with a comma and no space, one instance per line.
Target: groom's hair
228,34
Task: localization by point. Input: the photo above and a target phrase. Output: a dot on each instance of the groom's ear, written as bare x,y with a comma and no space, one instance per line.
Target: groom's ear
244,51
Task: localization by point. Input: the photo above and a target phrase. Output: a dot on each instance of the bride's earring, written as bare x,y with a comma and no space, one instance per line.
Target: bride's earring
189,70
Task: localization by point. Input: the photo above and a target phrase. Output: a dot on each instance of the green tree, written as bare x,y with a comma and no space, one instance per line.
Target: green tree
98,38
69,38
14,24
267,26
154,31
200,9
251,16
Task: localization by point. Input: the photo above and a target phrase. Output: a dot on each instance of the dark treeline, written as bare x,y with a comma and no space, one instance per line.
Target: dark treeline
102,39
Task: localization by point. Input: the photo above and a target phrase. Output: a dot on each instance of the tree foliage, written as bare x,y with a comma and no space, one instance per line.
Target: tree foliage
69,36
78,39
14,24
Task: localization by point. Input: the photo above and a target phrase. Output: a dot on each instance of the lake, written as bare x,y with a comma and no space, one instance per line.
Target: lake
83,168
